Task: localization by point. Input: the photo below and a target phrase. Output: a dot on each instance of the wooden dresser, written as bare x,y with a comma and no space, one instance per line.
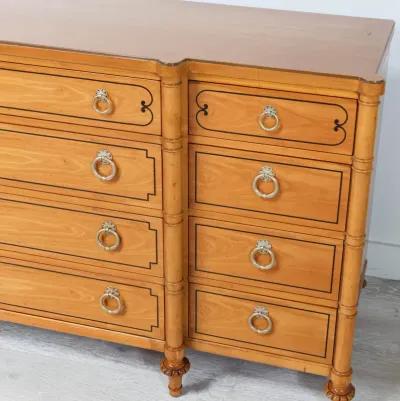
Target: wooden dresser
207,188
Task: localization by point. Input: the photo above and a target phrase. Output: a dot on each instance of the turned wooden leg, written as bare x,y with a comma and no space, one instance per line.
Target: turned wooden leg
343,393
175,370
339,387
174,365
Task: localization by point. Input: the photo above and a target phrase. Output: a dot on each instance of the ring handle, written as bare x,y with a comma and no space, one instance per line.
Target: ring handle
111,293
104,157
266,174
102,96
264,247
260,312
108,228
269,112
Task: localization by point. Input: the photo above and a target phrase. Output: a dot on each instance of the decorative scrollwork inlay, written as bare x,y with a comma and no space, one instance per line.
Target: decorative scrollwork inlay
144,106
203,109
339,124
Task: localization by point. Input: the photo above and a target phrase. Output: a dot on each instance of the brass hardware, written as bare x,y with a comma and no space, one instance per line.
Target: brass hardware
266,174
102,96
108,227
104,157
269,112
264,247
260,312
111,293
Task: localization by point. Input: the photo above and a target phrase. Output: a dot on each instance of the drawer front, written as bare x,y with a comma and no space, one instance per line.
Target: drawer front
289,328
131,106
272,117
131,309
265,258
83,237
130,175
306,192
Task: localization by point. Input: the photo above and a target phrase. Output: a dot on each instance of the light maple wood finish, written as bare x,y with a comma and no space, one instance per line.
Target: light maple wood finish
275,150
267,223
271,79
68,234
271,292
57,97
80,329
65,167
324,44
17,191
304,264
82,132
306,55
13,256
298,330
311,193
80,63
306,121
174,365
340,387
77,299
281,361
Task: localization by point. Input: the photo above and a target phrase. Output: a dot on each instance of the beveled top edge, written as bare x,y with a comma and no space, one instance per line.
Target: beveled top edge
173,31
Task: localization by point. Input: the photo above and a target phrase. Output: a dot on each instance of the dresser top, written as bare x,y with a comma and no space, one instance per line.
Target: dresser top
171,31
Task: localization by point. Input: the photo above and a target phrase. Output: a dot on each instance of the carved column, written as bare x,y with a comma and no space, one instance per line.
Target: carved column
339,387
174,365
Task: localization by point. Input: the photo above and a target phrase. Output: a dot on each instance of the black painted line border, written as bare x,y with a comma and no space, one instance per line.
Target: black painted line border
196,153
258,345
337,125
196,268
87,278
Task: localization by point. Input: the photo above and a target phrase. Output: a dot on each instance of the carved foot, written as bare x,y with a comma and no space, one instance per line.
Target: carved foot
339,395
175,370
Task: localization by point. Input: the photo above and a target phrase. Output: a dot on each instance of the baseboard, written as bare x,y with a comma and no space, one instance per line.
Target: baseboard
383,260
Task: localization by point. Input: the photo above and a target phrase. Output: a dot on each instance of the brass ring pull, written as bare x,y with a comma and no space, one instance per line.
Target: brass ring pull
108,228
269,112
266,174
263,247
260,312
102,97
113,294
104,157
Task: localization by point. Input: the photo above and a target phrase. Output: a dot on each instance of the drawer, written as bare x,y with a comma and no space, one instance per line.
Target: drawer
272,117
125,103
300,192
104,240
287,328
110,305
265,258
96,171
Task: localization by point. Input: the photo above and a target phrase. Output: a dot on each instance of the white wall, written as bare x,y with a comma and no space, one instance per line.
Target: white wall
384,238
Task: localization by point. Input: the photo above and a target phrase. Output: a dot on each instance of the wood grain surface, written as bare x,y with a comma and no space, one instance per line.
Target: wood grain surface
300,330
40,356
323,74
174,30
68,296
311,193
63,234
306,121
69,99
304,264
57,165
